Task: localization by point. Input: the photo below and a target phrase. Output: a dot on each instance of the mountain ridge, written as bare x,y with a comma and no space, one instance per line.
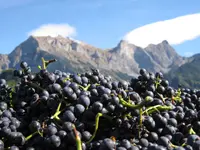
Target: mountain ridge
125,59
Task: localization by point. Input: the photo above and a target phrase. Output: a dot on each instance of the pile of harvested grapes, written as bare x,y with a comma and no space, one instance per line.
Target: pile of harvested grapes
90,111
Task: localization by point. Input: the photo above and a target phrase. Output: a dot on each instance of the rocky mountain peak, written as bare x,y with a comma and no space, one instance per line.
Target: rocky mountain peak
125,48
162,44
164,54
58,41
74,55
60,44
165,42
124,43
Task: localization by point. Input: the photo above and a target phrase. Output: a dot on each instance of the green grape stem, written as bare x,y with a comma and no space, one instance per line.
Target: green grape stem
184,144
191,131
161,96
78,139
157,82
66,79
30,136
45,63
55,116
140,122
155,108
128,115
177,97
129,105
39,67
179,92
85,88
58,108
173,146
11,99
97,124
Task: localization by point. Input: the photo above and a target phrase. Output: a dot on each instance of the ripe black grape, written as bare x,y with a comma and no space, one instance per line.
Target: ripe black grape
90,111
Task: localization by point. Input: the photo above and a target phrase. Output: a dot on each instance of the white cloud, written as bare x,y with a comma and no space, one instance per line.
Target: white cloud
175,31
188,54
54,30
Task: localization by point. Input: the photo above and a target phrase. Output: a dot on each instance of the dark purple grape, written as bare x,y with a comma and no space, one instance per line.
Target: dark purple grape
68,116
97,107
78,110
3,106
32,109
55,140
62,134
34,126
14,148
107,144
23,65
51,130
86,135
56,88
67,126
84,100
1,144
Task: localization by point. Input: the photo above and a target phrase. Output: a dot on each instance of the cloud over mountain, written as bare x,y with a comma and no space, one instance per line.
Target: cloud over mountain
54,30
175,31
188,54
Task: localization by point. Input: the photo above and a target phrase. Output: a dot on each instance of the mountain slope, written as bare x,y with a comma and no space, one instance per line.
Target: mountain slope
187,75
165,56
4,62
161,57
121,62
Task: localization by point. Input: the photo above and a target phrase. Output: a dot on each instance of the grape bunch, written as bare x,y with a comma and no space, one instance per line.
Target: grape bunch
91,111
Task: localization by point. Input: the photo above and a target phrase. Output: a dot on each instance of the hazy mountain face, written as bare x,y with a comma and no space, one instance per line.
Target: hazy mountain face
187,75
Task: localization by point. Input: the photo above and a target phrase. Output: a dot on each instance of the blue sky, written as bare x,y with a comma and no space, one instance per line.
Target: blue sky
102,23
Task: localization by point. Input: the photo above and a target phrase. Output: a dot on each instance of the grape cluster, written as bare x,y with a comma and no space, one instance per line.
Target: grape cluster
90,111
